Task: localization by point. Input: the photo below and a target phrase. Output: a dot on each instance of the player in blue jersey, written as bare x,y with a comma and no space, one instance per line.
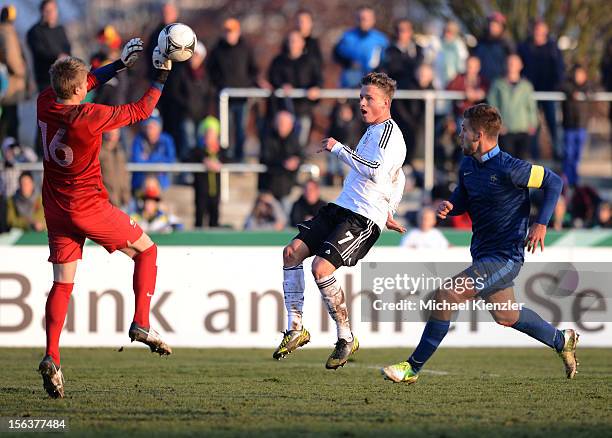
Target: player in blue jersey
494,189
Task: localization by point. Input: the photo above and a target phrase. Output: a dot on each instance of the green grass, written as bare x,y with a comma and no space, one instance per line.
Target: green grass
466,392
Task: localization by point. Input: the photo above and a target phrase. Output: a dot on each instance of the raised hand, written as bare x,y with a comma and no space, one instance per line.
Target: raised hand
160,61
131,51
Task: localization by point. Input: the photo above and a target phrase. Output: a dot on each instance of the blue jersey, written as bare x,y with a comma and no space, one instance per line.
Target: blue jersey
495,193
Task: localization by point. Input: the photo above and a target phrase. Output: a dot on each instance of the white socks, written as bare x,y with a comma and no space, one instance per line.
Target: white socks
293,288
333,297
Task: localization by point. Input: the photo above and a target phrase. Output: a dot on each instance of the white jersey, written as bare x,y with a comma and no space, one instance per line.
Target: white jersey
375,185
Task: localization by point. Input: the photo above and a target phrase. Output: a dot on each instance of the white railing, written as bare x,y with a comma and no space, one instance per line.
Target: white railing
429,96
311,170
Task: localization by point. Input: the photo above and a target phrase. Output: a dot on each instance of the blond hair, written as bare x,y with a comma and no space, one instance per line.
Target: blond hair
381,81
66,75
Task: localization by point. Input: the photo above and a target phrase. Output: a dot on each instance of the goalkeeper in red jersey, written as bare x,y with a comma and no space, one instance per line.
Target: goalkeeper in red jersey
75,201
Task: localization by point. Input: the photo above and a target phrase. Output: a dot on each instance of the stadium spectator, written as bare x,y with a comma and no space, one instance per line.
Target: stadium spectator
304,25
403,57
201,99
282,154
560,216
401,61
347,129
295,69
152,145
583,206
171,103
207,184
429,40
447,148
231,64
450,56
425,77
11,54
513,96
606,76
308,205
473,83
169,14
151,184
416,112
12,153
604,215
152,217
575,120
4,227
186,100
110,41
24,208
267,214
544,67
426,236
47,41
115,91
360,50
114,170
494,47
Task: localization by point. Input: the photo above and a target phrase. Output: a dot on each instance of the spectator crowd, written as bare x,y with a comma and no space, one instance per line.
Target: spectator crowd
185,128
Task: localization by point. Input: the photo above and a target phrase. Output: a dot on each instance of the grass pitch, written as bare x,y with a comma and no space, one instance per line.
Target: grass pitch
462,392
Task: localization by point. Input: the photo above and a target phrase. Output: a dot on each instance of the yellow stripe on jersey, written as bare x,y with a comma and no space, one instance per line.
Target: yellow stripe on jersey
536,177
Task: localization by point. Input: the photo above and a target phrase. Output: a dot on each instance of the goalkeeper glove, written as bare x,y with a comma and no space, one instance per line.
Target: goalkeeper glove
131,52
162,64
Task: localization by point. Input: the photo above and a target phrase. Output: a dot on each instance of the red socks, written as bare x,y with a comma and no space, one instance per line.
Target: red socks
145,274
55,316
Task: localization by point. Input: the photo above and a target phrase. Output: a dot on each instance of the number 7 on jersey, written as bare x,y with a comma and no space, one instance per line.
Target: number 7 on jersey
349,236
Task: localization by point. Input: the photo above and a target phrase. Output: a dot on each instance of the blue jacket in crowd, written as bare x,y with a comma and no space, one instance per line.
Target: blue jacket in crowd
163,151
492,53
359,53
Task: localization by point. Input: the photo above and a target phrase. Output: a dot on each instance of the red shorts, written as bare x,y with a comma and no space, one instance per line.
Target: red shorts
108,227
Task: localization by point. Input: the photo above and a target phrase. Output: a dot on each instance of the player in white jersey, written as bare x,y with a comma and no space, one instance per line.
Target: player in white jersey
344,230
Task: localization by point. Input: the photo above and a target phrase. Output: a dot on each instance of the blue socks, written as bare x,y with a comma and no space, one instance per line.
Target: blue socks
533,325
529,323
434,332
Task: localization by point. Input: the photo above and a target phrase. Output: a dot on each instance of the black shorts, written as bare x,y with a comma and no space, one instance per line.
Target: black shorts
338,235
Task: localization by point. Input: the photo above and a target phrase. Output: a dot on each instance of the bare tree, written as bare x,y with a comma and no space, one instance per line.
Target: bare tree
587,23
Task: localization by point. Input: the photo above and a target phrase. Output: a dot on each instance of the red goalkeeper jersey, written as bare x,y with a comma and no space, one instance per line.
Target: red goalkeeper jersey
71,140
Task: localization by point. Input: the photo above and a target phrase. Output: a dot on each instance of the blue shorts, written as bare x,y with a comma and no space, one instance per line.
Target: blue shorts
491,275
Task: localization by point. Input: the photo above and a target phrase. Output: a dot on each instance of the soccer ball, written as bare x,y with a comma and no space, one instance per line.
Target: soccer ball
177,41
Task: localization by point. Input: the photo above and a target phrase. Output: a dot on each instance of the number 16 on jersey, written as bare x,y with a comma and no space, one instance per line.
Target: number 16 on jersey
50,151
